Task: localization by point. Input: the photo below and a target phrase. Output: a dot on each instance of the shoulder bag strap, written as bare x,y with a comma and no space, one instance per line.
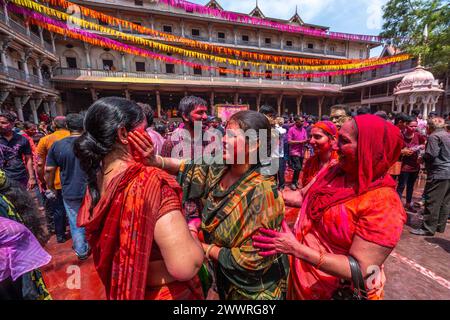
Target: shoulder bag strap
357,279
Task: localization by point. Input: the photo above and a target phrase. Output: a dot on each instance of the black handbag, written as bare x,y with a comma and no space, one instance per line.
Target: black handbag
352,290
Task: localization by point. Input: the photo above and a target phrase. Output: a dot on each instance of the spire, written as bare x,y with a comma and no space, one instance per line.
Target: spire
257,12
296,18
213,4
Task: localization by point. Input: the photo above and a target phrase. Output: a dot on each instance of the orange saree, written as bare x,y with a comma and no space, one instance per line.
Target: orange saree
332,213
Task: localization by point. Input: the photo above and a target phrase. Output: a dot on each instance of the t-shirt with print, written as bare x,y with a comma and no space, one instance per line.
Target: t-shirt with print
12,154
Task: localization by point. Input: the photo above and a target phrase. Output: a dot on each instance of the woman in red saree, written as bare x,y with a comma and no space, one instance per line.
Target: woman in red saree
324,137
141,243
351,210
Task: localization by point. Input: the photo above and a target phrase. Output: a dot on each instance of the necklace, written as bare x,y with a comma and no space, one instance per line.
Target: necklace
116,167
108,172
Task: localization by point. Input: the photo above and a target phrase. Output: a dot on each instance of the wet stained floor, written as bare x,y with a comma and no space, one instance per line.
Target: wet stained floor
417,269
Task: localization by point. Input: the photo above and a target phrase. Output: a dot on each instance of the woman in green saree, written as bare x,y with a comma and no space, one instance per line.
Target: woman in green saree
236,200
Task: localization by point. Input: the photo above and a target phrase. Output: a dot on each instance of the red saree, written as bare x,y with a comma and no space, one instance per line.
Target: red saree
121,228
333,214
312,165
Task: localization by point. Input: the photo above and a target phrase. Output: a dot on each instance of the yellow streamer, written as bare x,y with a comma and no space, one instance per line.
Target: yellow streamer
189,53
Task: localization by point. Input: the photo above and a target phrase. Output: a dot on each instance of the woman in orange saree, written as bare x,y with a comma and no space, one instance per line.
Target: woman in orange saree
141,244
351,210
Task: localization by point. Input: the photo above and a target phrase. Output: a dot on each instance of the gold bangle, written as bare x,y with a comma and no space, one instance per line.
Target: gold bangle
162,162
208,251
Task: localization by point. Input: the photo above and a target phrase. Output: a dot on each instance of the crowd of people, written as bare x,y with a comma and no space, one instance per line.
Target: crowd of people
161,225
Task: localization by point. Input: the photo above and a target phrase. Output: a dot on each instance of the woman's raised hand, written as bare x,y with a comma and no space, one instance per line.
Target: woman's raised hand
142,146
272,242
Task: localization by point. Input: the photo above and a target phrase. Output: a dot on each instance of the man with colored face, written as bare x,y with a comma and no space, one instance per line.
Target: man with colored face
192,109
410,168
400,121
14,149
339,115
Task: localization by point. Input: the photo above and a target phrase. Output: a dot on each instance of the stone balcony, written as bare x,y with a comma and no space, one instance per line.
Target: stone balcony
125,77
20,34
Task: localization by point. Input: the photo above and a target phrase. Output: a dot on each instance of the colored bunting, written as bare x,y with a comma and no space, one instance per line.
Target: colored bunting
198,55
124,24
242,18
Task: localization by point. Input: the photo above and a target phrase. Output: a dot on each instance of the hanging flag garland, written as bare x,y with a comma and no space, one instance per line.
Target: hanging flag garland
255,21
87,12
97,40
198,55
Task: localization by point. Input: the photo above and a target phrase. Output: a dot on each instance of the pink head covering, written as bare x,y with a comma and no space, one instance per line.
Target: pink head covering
20,252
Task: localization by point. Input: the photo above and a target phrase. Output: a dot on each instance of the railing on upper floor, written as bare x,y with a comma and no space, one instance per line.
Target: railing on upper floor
147,75
15,73
18,74
17,27
403,67
246,43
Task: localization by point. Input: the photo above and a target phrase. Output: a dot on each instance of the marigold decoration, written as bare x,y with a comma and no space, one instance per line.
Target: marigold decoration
89,37
242,18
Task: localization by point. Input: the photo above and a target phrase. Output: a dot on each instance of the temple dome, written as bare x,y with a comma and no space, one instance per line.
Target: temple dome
419,80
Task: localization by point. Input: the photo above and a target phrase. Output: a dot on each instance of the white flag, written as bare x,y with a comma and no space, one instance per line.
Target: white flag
425,33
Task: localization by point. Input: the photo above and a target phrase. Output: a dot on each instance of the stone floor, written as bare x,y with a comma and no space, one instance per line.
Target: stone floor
417,269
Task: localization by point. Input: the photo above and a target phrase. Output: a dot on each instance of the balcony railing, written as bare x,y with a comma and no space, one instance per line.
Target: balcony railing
197,38
336,53
35,37
309,50
17,74
248,43
271,45
147,75
219,40
15,26
382,73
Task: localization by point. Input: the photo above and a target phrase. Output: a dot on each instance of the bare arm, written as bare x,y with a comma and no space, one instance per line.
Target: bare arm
50,173
143,145
366,253
297,142
182,253
32,179
42,155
